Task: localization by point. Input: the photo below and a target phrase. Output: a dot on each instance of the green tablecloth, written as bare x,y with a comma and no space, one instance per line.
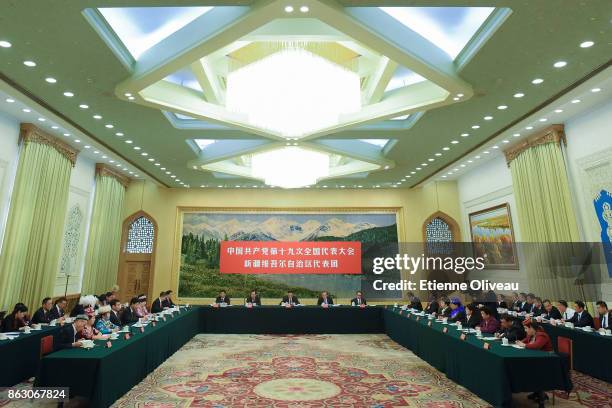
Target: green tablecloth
20,357
492,374
102,375
297,320
592,351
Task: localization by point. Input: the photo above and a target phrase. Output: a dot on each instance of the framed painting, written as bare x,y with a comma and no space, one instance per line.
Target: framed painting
493,237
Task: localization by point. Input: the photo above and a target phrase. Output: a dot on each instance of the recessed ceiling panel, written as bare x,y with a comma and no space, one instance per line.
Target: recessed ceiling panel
140,28
450,28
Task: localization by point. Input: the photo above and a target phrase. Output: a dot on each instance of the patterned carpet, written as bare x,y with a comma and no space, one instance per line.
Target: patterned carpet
307,371
357,371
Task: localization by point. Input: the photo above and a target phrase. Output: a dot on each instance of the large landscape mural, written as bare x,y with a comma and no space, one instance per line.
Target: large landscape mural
202,233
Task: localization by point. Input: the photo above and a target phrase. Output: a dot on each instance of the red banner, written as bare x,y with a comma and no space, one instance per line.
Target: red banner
259,257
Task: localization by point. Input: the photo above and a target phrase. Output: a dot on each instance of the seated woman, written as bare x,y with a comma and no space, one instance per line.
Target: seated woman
537,339
457,313
103,323
89,332
141,308
473,316
16,320
444,310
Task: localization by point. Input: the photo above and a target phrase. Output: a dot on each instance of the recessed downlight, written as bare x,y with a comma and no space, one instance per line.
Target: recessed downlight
97,117
587,44
68,94
488,118
5,44
304,9
576,101
465,134
119,134
519,95
454,141
26,110
502,107
446,148
136,147
559,64
595,90
51,80
10,100
476,127
529,127
558,110
129,142
83,106
288,9
537,81
109,126
30,64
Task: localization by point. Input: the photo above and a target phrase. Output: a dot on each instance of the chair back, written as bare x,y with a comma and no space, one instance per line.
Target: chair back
46,345
565,346
597,322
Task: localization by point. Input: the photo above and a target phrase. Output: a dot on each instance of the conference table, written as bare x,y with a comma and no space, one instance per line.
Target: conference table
20,357
102,374
493,374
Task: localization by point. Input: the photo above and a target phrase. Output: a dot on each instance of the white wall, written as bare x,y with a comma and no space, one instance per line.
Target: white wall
589,158
9,137
486,186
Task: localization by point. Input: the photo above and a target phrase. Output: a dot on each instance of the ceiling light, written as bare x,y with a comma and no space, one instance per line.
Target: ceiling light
41,119
486,152
151,159
516,134
83,106
87,146
304,9
455,99
476,127
109,126
438,154
111,161
386,167
505,141
66,134
96,152
9,100
97,117
519,95
430,160
559,64
558,110
119,134
413,172
168,172
446,148
443,176
54,127
5,44
68,94
496,147
26,110
29,64
127,94
586,44
131,98
477,157
502,107
129,142
488,118
158,164
537,81
543,119
104,156
576,101
454,141
529,127
77,141
136,147
51,80
144,154
460,95
163,168
595,90
465,134
289,9
290,167
172,176
470,161
268,94
118,165
419,169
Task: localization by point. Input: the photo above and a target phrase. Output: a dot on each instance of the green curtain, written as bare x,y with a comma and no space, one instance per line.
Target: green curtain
33,237
102,259
546,215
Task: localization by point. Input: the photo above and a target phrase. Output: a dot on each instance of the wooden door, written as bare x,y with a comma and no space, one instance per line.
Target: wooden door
135,279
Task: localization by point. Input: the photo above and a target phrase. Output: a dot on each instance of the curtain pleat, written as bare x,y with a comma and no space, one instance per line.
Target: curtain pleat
546,215
33,237
102,259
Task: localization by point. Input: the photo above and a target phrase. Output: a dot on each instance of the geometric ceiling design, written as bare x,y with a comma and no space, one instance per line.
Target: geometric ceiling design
186,91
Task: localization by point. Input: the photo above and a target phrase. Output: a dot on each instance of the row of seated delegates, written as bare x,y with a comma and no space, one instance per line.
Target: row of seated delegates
290,299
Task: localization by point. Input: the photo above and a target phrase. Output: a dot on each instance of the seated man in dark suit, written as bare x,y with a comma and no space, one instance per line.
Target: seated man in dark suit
473,316
115,313
158,304
529,303
290,299
501,301
433,306
521,303
222,298
325,299
581,318
358,300
414,302
253,299
550,311
67,337
42,314
605,315
58,309
510,328
538,308
129,315
168,300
